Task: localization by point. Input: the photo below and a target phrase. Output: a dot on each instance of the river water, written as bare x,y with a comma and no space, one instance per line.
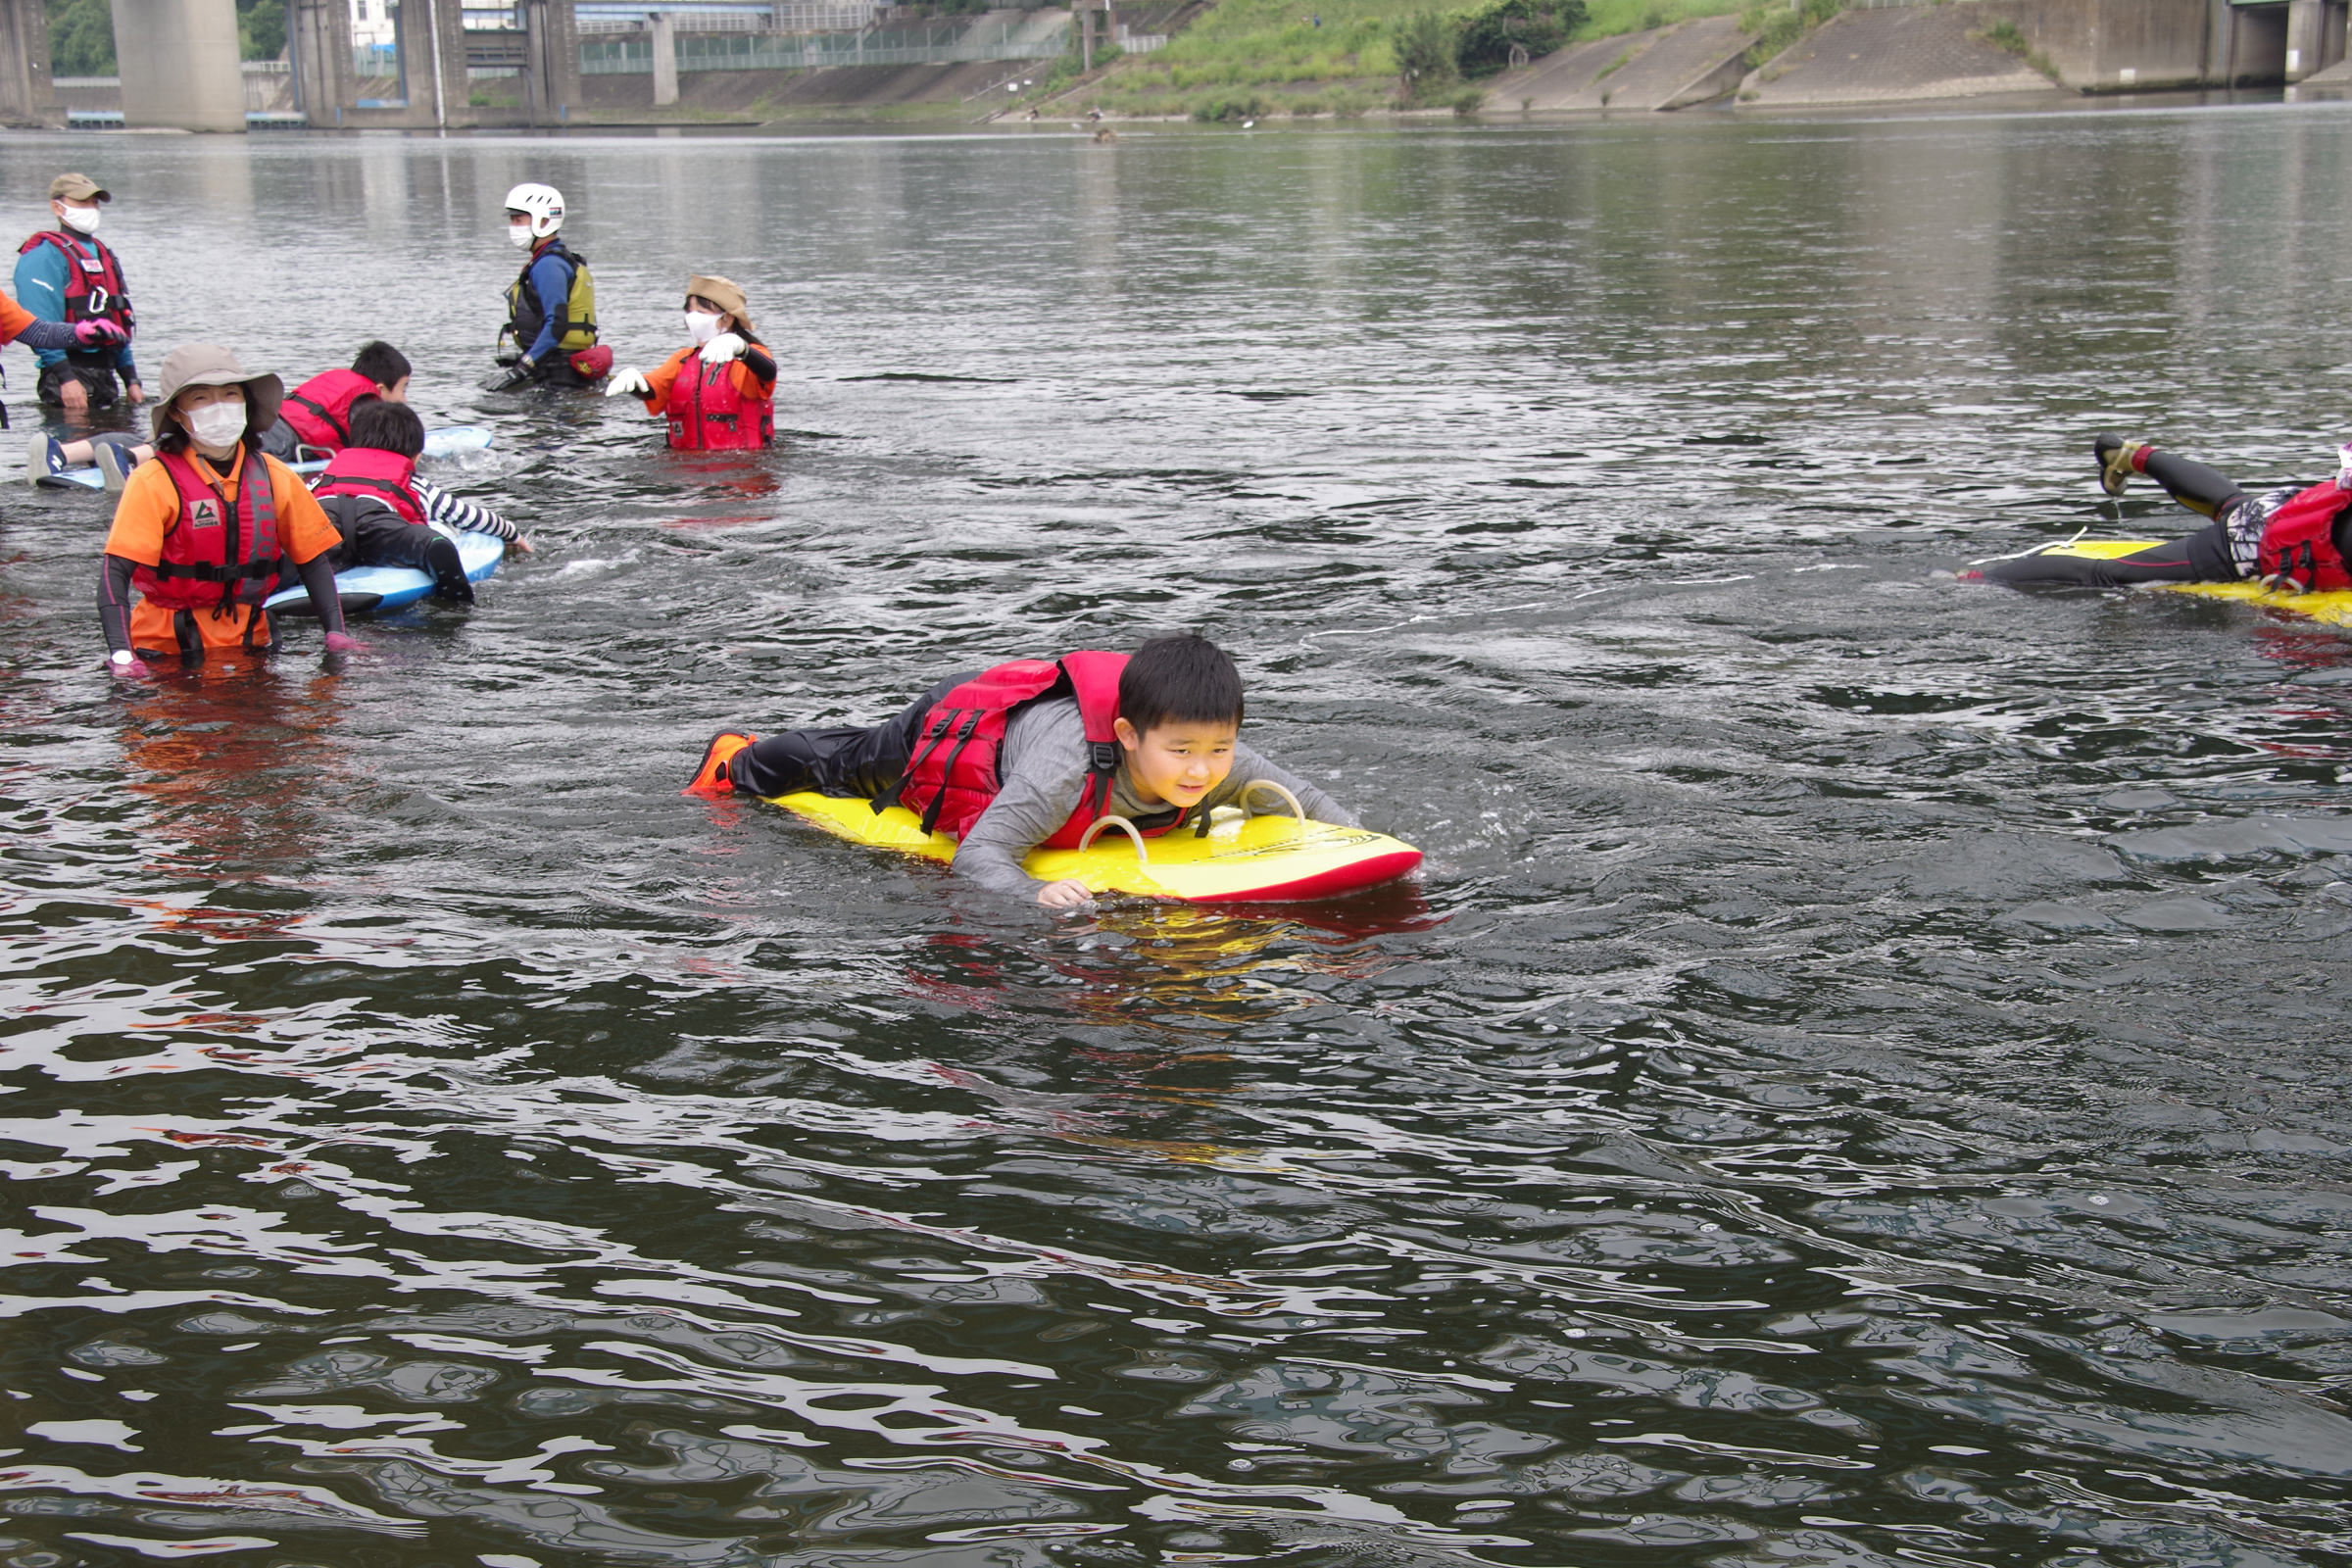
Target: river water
1860,1079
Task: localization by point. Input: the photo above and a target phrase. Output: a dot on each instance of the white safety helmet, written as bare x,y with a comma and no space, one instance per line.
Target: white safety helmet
544,203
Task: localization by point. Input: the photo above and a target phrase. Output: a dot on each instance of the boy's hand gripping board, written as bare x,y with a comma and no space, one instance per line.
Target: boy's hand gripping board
1257,860
2335,610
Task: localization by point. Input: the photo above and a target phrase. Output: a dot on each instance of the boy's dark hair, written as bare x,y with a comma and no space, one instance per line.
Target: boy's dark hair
1180,680
387,427
379,361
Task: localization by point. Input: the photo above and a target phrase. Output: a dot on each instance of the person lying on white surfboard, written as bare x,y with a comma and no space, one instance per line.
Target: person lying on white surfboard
1032,754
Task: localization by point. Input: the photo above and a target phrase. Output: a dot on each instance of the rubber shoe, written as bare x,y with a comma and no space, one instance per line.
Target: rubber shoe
711,780
2113,454
115,464
44,459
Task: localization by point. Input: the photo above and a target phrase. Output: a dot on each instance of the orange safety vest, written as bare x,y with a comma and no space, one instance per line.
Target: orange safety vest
2298,542
216,554
709,413
319,410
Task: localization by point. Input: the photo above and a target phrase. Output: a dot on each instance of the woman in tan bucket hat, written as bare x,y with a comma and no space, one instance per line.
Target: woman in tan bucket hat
717,392
202,531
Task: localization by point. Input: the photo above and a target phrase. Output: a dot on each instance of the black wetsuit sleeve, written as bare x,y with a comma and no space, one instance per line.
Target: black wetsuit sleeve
48,336
319,581
114,601
760,363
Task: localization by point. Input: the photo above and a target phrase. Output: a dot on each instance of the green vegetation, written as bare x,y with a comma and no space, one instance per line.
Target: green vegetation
1779,25
1248,59
81,34
82,38
2004,35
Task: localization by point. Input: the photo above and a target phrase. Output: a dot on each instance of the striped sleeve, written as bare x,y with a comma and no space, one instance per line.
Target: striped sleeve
443,508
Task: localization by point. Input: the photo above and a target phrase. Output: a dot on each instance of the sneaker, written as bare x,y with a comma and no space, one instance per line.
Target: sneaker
2114,455
115,463
44,459
711,780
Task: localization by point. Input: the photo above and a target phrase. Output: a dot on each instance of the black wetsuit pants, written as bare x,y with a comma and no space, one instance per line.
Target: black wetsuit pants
851,762
2202,557
374,535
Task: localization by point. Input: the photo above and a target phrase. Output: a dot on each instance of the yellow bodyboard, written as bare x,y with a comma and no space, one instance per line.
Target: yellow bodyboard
2335,610
1263,858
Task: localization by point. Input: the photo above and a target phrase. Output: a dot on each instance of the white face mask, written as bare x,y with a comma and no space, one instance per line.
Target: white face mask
519,236
82,220
218,424
704,327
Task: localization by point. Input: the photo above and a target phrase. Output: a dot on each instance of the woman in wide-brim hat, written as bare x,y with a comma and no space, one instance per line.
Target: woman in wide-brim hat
719,392
201,533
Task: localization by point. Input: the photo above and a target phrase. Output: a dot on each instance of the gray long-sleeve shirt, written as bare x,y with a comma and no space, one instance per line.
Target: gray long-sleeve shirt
1043,764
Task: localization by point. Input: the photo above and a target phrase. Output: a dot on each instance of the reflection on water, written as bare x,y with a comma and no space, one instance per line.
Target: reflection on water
1858,1081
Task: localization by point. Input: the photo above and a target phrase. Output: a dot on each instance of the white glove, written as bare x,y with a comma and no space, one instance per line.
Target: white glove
722,348
631,383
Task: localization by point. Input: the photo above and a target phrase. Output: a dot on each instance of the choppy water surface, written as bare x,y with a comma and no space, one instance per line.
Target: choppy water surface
1862,1079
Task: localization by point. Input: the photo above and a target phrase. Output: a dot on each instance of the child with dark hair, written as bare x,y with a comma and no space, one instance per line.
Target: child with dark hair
317,414
1032,752
387,516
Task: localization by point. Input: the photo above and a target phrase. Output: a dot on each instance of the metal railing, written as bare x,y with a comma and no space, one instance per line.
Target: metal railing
876,46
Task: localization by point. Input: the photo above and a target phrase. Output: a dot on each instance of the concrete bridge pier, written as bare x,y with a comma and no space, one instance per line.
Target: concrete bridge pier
2315,36
179,61
25,96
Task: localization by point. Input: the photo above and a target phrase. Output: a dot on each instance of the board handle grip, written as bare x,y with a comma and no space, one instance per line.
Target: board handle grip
1297,811
1142,856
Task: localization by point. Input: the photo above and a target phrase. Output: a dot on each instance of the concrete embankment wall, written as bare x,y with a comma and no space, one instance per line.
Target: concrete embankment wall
1663,68
1893,54
1925,52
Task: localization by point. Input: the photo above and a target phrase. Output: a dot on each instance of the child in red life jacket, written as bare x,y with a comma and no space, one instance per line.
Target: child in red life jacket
719,392
316,416
387,516
2294,537
1030,752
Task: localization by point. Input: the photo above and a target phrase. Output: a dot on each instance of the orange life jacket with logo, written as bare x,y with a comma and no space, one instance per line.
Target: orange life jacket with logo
216,554
709,413
2298,542
952,776
319,410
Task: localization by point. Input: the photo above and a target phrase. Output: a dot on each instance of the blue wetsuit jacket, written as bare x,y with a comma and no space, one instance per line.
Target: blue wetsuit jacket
41,289
551,281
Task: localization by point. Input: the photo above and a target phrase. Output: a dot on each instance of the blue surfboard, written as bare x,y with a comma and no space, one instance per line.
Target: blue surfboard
378,590
445,441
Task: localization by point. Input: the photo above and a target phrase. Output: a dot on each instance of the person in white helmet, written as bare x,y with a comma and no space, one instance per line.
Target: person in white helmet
551,306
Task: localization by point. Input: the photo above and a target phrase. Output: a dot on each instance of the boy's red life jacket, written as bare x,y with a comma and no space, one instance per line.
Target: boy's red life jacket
374,473
953,777
2298,542
94,290
319,410
709,413
216,554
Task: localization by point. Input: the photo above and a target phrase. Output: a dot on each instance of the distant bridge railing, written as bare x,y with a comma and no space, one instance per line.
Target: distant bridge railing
878,46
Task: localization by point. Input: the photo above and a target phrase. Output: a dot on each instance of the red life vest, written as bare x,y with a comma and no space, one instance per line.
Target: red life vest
374,473
953,777
709,413
319,410
94,290
216,554
2298,542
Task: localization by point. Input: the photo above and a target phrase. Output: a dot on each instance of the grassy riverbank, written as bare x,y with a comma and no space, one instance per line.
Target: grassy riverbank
1258,58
